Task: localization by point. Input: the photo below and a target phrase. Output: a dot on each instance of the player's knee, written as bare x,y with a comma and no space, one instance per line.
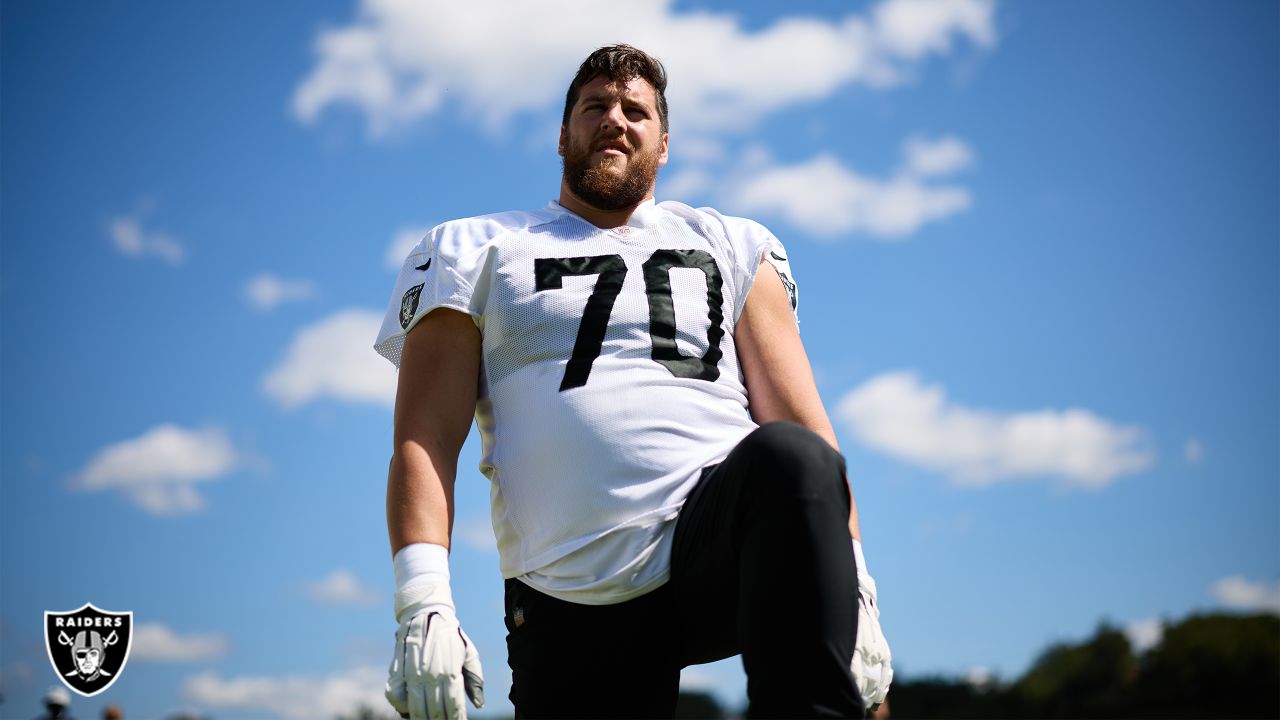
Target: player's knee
796,461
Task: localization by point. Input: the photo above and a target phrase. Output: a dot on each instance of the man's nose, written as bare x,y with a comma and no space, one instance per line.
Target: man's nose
614,117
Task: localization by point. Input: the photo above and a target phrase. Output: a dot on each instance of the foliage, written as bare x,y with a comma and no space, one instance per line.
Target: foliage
1214,666
1086,680
698,704
936,697
1207,666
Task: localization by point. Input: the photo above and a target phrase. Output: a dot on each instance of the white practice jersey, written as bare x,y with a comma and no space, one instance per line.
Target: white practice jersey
609,379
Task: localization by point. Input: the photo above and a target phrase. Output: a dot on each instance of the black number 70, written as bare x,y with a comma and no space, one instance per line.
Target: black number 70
548,273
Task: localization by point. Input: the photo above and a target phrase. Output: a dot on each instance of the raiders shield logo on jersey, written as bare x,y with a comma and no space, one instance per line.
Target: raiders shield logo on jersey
790,286
88,647
409,305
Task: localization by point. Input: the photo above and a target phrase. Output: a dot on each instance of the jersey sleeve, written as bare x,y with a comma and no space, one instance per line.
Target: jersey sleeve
752,245
440,271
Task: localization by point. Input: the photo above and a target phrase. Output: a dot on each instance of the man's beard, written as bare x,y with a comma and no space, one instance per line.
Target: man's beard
600,187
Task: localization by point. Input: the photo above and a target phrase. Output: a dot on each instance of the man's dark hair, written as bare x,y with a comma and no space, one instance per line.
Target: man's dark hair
619,63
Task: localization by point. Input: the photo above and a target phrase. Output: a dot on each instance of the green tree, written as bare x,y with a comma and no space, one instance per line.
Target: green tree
698,704
938,697
1207,666
1086,680
1220,666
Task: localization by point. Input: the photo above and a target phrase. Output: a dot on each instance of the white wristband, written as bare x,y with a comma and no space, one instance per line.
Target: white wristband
421,561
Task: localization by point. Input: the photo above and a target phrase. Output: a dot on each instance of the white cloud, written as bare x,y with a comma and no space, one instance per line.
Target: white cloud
827,199
153,641
1193,451
898,415
931,158
1241,594
690,182
300,697
402,244
130,238
265,291
979,676
341,587
159,469
476,532
334,357
1144,634
16,672
698,148
402,60
914,28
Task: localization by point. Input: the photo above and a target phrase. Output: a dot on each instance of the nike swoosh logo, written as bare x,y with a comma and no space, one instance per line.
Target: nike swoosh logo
773,254
424,265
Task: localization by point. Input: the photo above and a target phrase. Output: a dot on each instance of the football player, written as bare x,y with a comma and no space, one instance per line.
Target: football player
666,487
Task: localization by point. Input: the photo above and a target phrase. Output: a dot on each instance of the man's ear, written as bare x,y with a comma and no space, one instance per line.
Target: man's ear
662,159
564,139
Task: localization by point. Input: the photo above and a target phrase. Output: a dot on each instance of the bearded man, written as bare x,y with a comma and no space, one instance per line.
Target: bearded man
666,485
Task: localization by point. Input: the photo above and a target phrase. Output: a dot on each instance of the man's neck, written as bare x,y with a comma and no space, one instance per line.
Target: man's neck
604,219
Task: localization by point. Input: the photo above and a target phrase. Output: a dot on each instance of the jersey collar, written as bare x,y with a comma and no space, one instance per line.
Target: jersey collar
645,215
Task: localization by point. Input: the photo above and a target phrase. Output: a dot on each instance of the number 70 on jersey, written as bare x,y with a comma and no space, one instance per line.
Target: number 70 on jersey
612,270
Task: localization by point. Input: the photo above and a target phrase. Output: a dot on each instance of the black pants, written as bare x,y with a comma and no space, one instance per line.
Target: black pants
761,565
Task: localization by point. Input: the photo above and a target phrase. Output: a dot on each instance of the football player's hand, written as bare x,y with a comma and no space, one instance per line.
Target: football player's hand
435,668
872,662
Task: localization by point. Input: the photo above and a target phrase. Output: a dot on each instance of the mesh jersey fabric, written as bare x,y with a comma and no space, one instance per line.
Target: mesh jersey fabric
610,376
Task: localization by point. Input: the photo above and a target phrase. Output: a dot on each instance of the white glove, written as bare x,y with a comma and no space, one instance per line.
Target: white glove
434,662
872,668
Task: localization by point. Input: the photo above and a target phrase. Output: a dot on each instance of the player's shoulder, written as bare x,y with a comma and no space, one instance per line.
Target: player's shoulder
464,236
731,228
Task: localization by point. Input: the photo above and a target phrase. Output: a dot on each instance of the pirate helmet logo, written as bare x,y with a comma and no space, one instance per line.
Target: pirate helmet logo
409,305
791,288
88,647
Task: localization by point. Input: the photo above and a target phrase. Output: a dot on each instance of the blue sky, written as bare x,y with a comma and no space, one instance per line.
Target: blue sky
1037,250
